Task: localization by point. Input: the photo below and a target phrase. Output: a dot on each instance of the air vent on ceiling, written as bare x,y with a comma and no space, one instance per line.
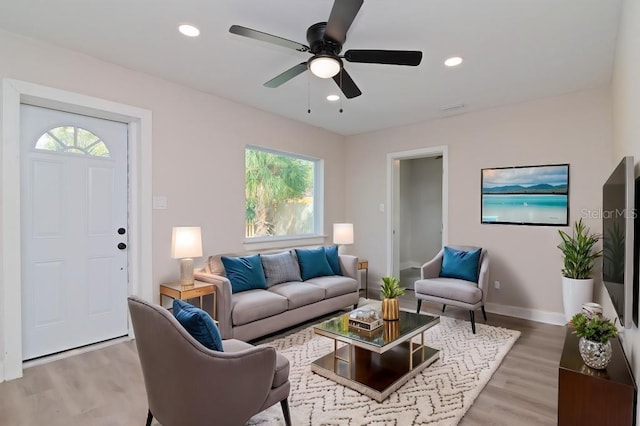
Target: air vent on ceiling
454,107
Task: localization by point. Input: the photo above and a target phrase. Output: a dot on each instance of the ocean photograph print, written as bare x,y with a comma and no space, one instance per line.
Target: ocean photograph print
526,195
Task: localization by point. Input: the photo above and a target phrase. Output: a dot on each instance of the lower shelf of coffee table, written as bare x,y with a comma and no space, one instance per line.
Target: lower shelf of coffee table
372,374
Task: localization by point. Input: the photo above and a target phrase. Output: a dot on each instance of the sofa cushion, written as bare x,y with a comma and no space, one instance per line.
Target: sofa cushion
244,273
280,376
280,268
335,285
449,288
332,257
198,323
253,305
313,263
299,294
460,264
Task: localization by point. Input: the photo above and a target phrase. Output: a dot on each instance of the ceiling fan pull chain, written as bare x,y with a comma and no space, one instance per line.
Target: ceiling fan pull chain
341,91
308,94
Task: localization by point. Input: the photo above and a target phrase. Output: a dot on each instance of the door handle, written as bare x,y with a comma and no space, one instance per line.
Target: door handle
122,246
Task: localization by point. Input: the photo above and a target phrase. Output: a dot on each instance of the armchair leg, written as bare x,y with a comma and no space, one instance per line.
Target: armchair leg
484,314
285,411
419,305
473,321
149,418
443,307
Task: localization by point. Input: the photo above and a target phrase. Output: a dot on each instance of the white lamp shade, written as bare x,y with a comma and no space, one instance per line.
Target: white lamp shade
186,242
343,233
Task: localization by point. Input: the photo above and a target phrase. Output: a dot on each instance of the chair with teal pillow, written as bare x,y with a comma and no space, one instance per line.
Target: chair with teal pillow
457,276
189,383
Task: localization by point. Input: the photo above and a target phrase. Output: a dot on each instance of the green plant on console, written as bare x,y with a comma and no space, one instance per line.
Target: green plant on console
578,251
390,288
596,329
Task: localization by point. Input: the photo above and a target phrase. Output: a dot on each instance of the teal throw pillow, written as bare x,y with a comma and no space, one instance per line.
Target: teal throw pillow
244,273
313,263
199,324
460,264
332,257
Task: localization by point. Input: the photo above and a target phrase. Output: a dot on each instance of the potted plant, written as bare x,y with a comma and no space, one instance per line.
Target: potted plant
390,290
595,333
580,255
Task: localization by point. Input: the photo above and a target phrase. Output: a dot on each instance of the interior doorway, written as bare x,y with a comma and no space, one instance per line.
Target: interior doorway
417,213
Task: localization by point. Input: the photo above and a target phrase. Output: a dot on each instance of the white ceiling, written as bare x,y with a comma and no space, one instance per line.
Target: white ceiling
513,50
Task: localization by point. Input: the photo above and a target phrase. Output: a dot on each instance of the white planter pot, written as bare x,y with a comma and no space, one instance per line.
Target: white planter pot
574,294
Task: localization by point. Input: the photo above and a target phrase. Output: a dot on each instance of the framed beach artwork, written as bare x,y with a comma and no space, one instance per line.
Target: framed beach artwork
526,195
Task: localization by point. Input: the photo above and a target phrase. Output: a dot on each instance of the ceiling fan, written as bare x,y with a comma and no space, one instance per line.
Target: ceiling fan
325,43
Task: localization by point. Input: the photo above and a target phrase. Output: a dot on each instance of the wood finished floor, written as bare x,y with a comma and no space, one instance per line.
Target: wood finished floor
105,386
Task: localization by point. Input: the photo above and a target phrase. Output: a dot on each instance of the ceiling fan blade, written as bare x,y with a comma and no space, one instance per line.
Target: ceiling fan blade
279,80
391,57
346,84
259,35
342,15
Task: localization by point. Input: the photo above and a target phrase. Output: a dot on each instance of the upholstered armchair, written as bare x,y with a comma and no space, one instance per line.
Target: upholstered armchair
190,385
457,292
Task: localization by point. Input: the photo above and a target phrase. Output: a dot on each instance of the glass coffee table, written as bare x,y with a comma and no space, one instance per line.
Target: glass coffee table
376,363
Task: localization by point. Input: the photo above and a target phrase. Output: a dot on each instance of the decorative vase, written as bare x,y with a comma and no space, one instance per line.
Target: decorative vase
390,309
391,331
575,293
595,354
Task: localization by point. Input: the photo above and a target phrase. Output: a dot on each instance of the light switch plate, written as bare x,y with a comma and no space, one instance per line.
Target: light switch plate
159,202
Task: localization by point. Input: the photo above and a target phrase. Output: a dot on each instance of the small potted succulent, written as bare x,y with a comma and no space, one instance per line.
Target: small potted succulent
390,290
595,333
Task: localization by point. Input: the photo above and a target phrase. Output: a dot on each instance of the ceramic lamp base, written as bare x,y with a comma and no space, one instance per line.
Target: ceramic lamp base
186,271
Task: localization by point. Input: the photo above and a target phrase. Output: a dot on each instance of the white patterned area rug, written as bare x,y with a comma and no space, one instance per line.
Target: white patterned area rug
439,395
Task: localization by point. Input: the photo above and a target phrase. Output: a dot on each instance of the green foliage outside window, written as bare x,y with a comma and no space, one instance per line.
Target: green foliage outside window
279,194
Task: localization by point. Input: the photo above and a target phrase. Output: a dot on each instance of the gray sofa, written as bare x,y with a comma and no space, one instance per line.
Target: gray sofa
250,314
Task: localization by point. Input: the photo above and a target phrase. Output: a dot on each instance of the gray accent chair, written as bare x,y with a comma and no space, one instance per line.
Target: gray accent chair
190,385
452,291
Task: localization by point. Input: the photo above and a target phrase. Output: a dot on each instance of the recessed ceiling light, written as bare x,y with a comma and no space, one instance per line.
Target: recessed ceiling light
453,61
333,98
189,30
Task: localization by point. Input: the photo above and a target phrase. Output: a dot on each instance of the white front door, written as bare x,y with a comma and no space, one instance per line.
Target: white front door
74,230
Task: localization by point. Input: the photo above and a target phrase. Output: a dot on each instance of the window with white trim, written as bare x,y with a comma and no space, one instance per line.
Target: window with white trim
280,194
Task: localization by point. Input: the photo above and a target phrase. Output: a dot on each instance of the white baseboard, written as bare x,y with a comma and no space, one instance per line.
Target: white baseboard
555,318
410,264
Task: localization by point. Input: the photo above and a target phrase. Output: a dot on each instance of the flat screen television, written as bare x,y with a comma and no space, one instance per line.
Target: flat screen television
618,217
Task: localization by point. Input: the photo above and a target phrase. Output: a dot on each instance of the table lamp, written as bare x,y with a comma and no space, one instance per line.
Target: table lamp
342,235
186,243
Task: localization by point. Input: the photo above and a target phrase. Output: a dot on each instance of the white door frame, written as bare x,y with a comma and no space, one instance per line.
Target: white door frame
393,189
15,92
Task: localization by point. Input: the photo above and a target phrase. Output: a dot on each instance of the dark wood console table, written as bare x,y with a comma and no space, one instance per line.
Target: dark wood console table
595,397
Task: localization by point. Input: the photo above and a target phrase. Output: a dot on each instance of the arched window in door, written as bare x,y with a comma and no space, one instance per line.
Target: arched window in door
73,140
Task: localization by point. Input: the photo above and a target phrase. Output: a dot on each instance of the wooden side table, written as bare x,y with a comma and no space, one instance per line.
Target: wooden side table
198,289
364,264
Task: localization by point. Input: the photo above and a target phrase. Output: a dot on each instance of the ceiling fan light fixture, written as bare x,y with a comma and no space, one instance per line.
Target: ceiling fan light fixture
324,66
333,98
